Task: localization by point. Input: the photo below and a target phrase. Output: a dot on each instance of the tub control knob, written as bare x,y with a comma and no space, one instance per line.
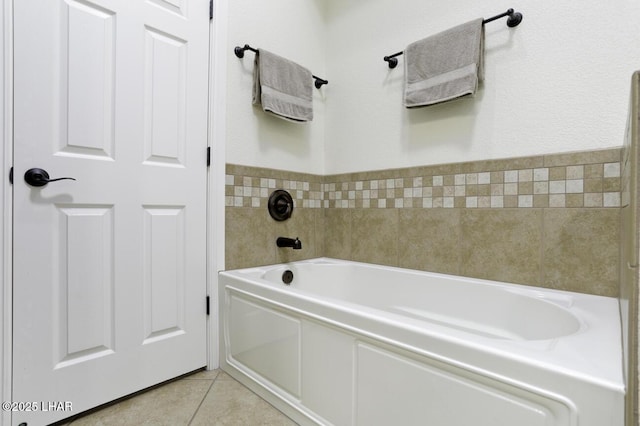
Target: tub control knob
280,205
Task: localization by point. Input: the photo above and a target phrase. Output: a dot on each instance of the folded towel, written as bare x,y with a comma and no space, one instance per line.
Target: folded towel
444,66
282,87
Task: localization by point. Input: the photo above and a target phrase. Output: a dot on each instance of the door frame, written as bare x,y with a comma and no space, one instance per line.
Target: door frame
218,54
215,188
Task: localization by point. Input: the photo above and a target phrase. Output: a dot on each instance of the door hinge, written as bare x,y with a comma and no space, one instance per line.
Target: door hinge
208,305
11,176
210,9
208,156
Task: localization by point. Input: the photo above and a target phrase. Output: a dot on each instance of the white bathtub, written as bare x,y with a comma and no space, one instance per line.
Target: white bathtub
349,343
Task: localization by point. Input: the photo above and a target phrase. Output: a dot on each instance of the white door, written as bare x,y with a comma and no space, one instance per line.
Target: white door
109,269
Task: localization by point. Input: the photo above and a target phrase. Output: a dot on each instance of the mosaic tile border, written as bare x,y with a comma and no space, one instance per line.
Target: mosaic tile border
594,185
573,180
251,186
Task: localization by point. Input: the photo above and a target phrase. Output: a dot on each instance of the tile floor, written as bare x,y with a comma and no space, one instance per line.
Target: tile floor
203,398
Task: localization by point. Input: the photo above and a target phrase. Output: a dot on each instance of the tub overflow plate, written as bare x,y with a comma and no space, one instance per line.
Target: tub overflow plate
287,277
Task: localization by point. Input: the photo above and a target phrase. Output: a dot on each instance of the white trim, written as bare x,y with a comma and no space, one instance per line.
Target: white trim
217,142
6,156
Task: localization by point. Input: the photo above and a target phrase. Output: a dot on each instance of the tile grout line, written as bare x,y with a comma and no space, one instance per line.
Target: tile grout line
203,398
399,237
542,245
459,261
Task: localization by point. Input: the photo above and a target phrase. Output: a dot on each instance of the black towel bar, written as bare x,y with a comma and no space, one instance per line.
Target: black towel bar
514,19
239,51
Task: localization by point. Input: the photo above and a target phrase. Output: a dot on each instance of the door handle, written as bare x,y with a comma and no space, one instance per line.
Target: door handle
40,177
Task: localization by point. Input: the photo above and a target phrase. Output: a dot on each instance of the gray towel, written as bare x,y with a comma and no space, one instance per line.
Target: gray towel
282,87
444,66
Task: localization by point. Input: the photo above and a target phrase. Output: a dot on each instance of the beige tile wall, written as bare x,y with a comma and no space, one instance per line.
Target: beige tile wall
251,233
569,249
550,221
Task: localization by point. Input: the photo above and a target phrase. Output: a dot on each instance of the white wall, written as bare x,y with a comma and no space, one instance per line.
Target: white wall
557,82
296,30
5,209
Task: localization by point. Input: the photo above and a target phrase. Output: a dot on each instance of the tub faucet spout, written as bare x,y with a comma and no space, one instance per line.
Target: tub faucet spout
289,242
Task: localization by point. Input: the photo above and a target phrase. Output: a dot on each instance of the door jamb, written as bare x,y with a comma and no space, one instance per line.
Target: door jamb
216,185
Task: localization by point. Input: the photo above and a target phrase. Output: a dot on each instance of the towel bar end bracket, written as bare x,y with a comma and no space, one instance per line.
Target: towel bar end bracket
514,18
319,82
239,51
393,61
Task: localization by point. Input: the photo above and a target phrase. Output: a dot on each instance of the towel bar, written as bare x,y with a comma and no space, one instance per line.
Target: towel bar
514,19
239,51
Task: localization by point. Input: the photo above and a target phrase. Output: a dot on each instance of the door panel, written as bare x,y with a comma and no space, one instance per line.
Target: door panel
87,71
165,99
110,269
85,322
164,279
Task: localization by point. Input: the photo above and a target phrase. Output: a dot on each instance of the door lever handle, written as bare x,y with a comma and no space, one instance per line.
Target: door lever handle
40,177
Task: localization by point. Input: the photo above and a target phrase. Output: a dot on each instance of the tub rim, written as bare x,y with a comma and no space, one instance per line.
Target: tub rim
521,352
